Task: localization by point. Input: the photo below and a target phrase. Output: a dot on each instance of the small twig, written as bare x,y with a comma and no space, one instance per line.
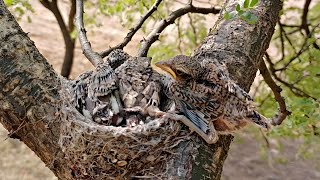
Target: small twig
303,48
179,36
304,22
281,40
193,30
154,35
263,100
283,112
293,89
92,56
133,30
284,33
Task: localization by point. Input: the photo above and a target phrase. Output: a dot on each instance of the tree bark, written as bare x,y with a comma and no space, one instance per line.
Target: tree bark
33,109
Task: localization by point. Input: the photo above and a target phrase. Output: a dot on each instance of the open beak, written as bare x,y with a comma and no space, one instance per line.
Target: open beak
164,67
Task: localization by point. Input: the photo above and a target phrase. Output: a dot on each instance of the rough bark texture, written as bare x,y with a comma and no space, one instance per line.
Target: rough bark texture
30,102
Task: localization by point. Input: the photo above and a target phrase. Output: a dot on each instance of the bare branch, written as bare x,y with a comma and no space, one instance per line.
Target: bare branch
133,30
304,22
281,40
154,35
295,90
193,29
283,112
179,36
92,56
303,48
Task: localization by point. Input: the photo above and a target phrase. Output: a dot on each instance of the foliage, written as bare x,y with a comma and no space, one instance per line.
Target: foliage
243,12
20,7
298,67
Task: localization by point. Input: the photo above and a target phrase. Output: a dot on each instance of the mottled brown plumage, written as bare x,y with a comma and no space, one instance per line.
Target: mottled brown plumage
206,95
139,89
96,92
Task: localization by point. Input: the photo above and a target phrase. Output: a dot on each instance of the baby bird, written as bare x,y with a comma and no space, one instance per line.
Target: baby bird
204,93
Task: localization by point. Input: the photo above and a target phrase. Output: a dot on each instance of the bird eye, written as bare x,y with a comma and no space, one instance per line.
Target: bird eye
179,73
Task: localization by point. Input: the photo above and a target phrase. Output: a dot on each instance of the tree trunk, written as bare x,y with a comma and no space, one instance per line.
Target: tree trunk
34,109
68,58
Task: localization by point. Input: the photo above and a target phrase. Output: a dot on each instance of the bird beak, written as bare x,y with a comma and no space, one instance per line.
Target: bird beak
165,68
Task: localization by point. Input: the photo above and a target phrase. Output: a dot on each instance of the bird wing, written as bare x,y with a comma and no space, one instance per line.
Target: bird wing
195,116
199,106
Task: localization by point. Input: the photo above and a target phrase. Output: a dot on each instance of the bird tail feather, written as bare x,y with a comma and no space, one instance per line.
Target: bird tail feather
259,120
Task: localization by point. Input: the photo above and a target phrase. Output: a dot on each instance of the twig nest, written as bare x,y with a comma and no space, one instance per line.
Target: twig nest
101,152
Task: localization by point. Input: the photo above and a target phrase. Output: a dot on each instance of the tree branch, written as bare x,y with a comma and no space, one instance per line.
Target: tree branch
283,112
133,30
304,22
295,90
92,56
154,35
303,48
66,33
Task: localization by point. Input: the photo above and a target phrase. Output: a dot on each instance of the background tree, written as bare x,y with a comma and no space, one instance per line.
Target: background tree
66,26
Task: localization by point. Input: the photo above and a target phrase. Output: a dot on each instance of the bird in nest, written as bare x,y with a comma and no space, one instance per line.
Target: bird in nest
95,93
204,93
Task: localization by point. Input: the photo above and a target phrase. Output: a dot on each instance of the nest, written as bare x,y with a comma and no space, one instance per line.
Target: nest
107,152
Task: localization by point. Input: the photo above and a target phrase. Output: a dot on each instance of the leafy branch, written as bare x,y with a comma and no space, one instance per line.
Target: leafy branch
155,33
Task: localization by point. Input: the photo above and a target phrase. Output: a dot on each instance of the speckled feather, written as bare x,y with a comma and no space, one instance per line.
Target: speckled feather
96,91
138,88
205,93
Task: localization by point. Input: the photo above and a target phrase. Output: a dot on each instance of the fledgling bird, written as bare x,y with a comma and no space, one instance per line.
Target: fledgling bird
139,89
204,93
96,92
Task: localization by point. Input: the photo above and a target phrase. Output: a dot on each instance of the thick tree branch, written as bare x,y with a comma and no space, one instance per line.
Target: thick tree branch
133,30
283,112
154,35
92,56
29,98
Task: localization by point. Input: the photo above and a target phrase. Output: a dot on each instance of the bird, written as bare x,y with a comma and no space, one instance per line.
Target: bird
205,94
139,89
96,92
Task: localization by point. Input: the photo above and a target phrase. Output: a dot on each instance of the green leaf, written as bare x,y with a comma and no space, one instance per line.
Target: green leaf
226,16
246,16
8,2
233,14
253,3
241,12
253,19
238,8
246,4
249,17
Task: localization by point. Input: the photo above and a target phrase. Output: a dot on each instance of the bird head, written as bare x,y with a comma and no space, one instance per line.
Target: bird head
180,68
